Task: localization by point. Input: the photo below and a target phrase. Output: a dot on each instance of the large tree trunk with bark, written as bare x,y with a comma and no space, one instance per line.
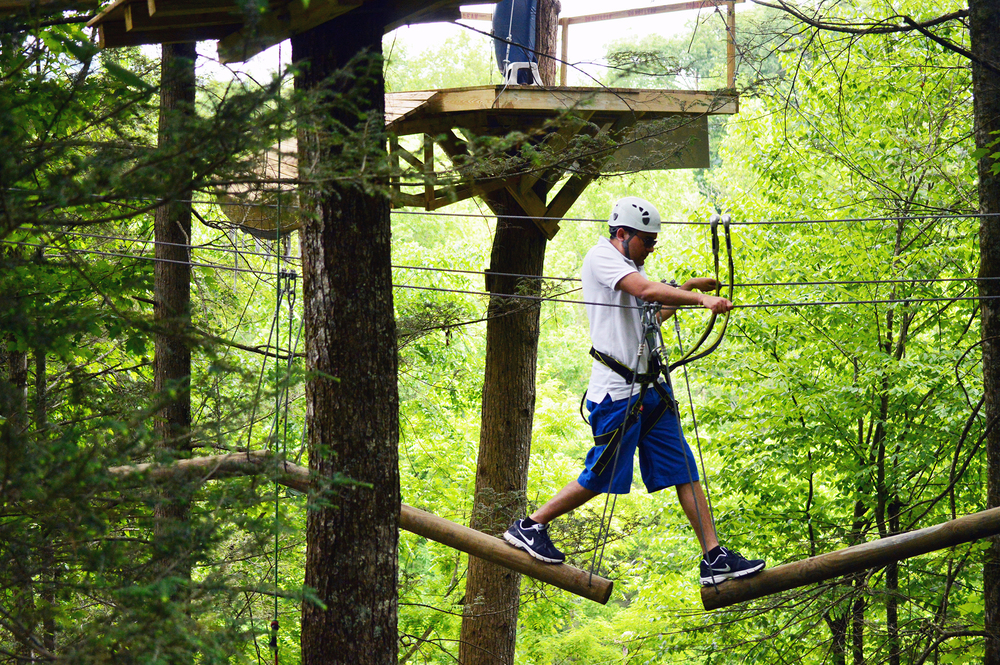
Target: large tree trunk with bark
352,404
20,586
172,309
547,33
489,627
984,29
492,594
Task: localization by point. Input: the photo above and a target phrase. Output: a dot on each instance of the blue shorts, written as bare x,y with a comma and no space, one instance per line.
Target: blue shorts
665,459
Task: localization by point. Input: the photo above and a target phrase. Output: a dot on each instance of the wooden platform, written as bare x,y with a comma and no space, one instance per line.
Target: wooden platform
440,116
628,130
484,108
244,28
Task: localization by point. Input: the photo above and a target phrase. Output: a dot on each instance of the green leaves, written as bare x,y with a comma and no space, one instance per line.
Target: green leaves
129,78
70,39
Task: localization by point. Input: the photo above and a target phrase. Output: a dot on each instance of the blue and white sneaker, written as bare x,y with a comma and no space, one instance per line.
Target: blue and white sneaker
534,540
728,564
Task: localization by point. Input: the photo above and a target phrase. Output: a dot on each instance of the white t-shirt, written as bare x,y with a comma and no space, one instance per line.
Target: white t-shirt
614,330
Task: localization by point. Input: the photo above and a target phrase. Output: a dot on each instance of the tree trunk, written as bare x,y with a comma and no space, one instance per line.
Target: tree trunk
48,571
547,32
858,622
172,311
16,408
984,33
838,636
352,404
489,626
892,589
22,560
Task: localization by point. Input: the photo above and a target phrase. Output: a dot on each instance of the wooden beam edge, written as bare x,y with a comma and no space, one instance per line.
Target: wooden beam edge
411,519
857,558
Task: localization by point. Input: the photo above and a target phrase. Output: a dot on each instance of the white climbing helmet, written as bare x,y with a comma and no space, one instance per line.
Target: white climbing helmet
635,213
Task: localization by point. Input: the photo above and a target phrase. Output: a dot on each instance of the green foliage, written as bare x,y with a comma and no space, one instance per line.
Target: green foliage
465,59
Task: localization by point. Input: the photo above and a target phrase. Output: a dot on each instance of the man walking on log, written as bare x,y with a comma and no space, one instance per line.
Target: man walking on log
630,412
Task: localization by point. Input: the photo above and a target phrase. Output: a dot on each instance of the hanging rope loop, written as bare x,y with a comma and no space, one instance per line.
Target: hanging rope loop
696,351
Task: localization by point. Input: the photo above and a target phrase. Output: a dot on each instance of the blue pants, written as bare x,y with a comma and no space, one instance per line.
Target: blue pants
516,18
665,459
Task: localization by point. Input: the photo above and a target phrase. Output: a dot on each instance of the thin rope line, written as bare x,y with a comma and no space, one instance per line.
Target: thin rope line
701,458
700,223
279,287
297,259
885,301
260,378
140,257
602,220
698,307
849,282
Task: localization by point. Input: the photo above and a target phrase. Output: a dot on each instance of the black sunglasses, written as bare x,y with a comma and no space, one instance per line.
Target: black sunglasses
648,242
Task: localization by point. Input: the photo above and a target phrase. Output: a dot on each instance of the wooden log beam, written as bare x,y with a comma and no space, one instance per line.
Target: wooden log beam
411,519
853,559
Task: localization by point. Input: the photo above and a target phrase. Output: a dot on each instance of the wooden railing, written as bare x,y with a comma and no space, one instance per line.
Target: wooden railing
567,21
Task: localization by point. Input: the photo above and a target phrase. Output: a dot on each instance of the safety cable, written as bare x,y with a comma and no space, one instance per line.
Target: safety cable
283,281
701,458
600,220
784,222
244,252
604,532
217,266
714,222
141,257
547,299
826,303
576,302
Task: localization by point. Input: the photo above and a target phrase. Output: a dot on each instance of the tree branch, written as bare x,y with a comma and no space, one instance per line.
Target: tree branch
877,28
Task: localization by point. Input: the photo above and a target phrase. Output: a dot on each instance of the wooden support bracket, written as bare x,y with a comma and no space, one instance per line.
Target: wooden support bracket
188,8
853,559
275,26
411,519
138,19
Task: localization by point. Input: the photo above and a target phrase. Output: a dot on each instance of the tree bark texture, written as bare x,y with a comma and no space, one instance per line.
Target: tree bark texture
489,626
16,408
984,33
49,570
352,404
858,621
172,272
20,587
838,636
547,28
172,309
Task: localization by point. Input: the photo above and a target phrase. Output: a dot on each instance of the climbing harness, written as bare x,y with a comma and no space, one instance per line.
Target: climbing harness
696,352
647,380
657,366
651,339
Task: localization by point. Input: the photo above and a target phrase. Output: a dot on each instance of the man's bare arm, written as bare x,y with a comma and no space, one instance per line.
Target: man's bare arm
672,296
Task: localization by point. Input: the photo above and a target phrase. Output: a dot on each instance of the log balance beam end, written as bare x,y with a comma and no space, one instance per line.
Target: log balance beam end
411,519
854,559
